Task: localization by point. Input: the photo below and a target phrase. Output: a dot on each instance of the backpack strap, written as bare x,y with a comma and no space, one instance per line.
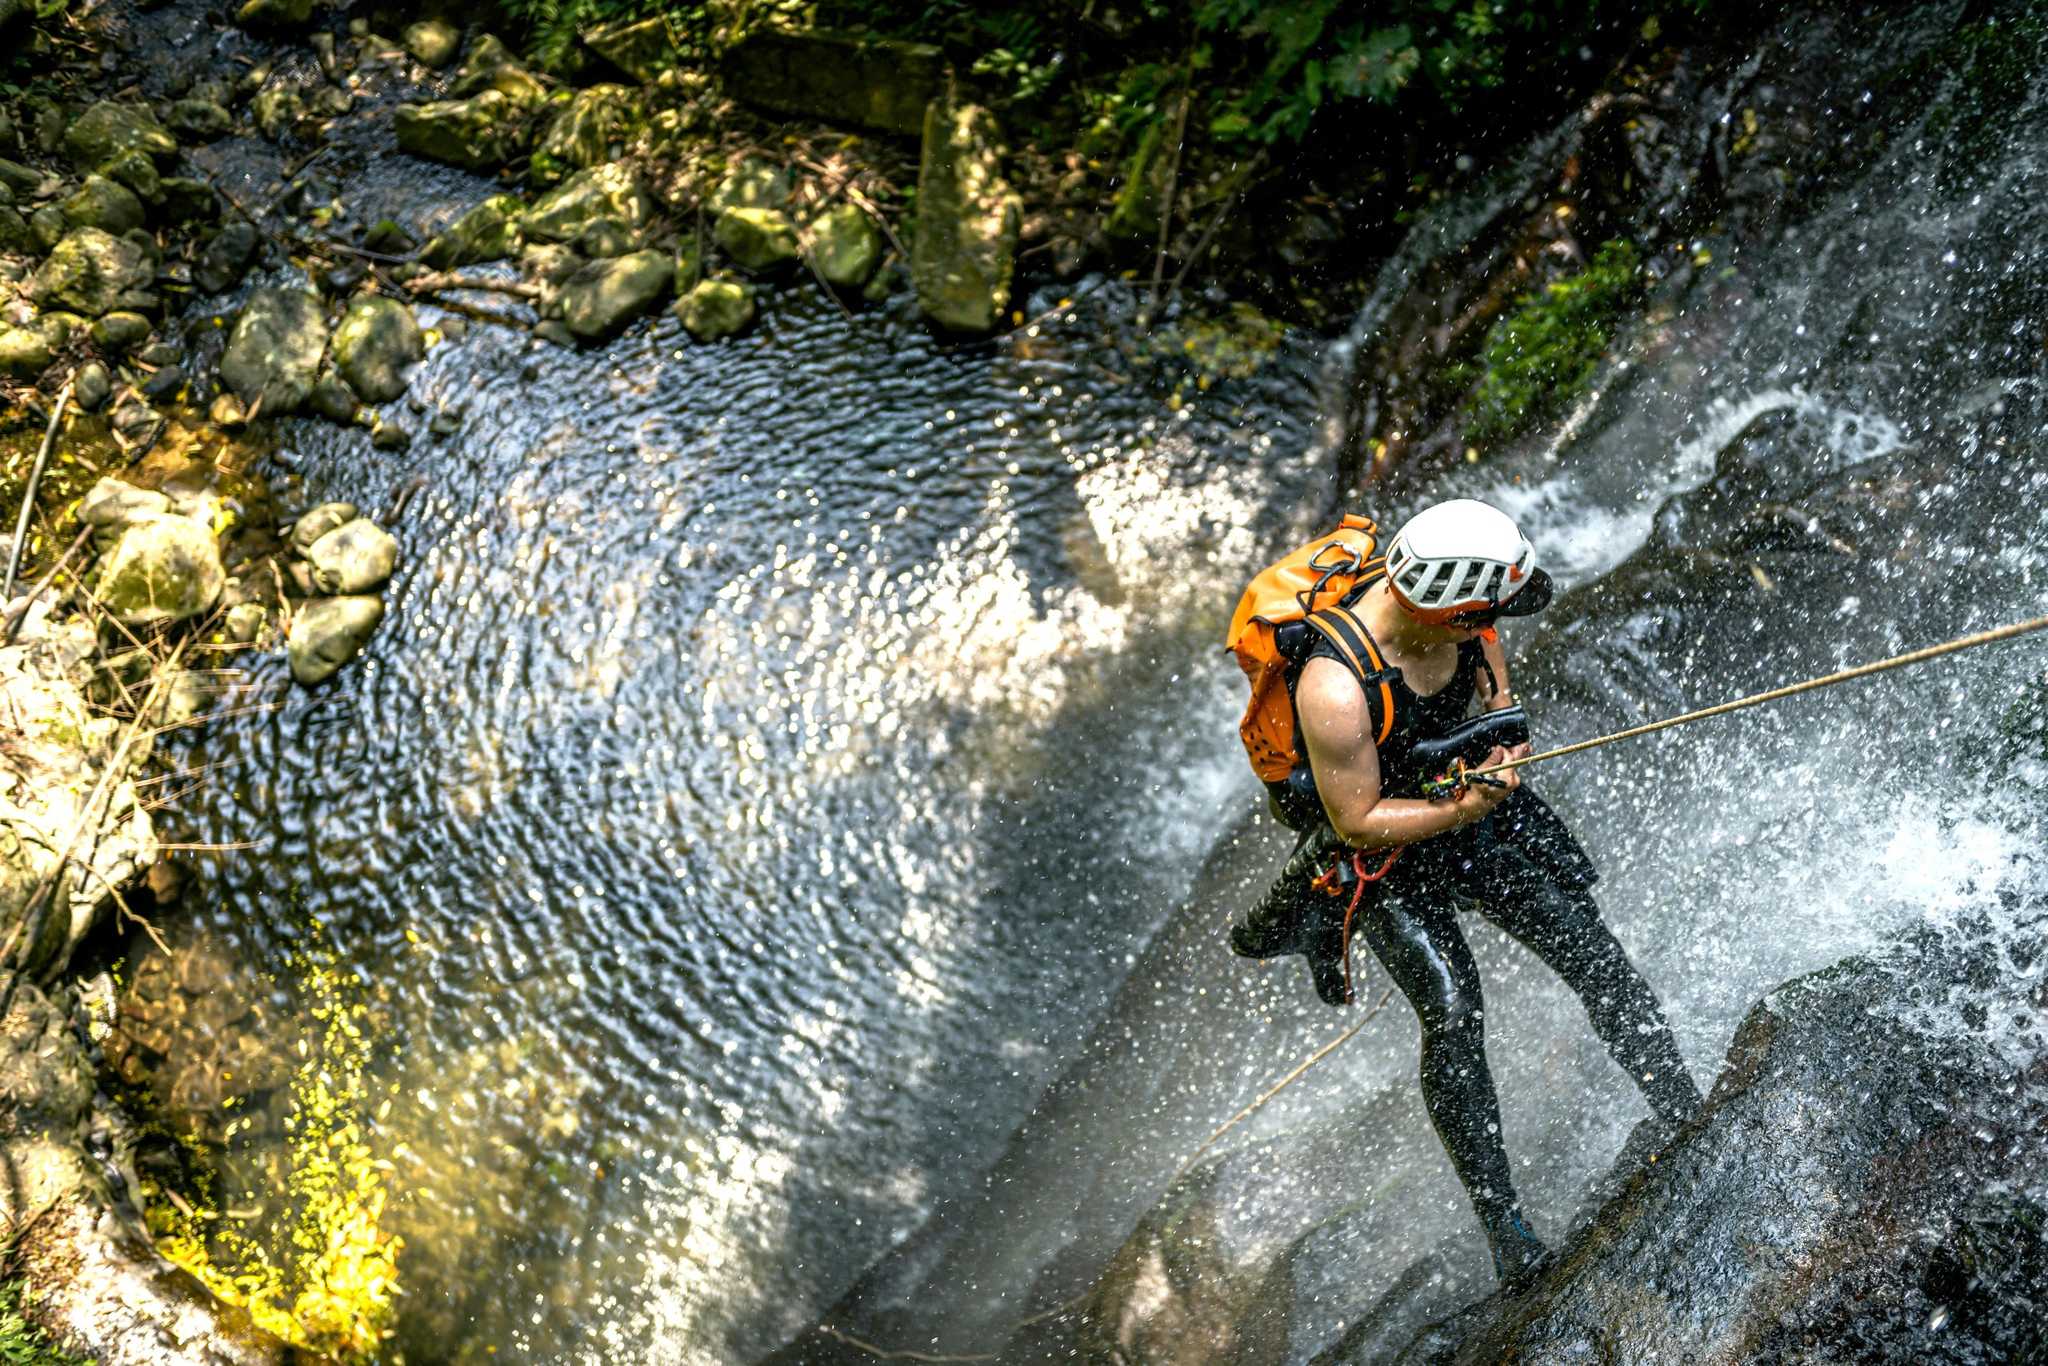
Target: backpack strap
1355,646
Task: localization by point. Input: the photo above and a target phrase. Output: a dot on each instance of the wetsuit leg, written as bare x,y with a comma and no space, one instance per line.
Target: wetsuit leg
1412,929
1562,926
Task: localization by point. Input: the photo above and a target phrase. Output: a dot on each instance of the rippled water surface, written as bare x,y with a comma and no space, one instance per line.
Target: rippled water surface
772,758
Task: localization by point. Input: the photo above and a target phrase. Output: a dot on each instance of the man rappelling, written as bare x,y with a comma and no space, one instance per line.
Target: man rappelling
1363,669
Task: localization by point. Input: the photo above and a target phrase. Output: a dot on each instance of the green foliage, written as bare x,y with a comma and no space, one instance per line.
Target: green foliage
1307,53
1540,356
22,1344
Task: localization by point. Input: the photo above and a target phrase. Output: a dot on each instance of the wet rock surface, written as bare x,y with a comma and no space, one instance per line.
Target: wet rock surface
964,254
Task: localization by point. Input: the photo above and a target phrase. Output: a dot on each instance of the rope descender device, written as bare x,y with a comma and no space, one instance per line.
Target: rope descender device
1450,785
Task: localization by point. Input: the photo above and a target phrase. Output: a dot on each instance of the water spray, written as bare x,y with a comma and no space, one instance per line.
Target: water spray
1459,776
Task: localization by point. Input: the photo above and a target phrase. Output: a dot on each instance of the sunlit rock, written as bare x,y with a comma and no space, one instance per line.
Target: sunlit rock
164,568
356,557
965,250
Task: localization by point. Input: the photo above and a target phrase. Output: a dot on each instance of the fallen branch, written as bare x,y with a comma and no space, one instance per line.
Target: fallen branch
436,281
28,497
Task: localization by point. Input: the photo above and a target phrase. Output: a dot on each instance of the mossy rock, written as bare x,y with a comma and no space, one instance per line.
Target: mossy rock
612,190
845,246
715,309
488,232
965,252
103,204
90,272
757,240
481,133
109,128
592,128
164,568
374,344
604,296
432,42
273,355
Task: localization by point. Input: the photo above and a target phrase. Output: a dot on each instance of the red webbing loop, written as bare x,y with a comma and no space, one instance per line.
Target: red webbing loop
1330,883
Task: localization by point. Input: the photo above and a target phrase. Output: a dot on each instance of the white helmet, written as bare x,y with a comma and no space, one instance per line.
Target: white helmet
1465,558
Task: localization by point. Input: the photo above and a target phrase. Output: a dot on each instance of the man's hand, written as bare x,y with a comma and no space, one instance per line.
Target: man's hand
1478,800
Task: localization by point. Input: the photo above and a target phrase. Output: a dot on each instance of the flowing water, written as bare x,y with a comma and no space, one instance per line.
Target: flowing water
773,757
783,760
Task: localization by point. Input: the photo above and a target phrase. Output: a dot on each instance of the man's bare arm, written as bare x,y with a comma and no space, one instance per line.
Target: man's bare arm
1336,726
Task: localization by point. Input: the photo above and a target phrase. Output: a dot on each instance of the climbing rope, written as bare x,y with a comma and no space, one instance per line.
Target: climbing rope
1459,776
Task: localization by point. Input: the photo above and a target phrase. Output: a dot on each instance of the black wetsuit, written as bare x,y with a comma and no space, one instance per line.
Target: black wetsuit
1523,870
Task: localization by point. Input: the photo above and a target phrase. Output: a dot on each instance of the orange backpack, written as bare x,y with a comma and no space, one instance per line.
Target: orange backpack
1305,586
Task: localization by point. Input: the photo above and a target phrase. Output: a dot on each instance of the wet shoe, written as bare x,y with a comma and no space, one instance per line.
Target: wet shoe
1519,1256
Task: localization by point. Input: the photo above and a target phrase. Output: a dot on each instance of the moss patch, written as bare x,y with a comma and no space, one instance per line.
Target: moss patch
1540,356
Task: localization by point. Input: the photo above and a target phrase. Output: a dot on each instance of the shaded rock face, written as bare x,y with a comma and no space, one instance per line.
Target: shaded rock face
716,308
642,50
375,342
869,83
965,250
275,350
845,246
1871,1173
758,240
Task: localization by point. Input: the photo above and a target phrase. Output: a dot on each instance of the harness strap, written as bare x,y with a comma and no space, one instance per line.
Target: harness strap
1355,644
1331,883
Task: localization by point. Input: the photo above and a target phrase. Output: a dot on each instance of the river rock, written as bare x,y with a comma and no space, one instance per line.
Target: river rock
386,434
15,233
276,109
275,13
490,65
318,521
845,246
327,633
612,190
46,224
187,200
90,271
164,568
226,258
716,308
355,557
758,240
93,386
25,352
480,133
591,129
488,232
839,78
108,128
965,250
137,174
333,399
103,204
113,503
274,353
604,296
432,42
200,120
20,180
604,238
643,50
120,331
753,184
377,339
